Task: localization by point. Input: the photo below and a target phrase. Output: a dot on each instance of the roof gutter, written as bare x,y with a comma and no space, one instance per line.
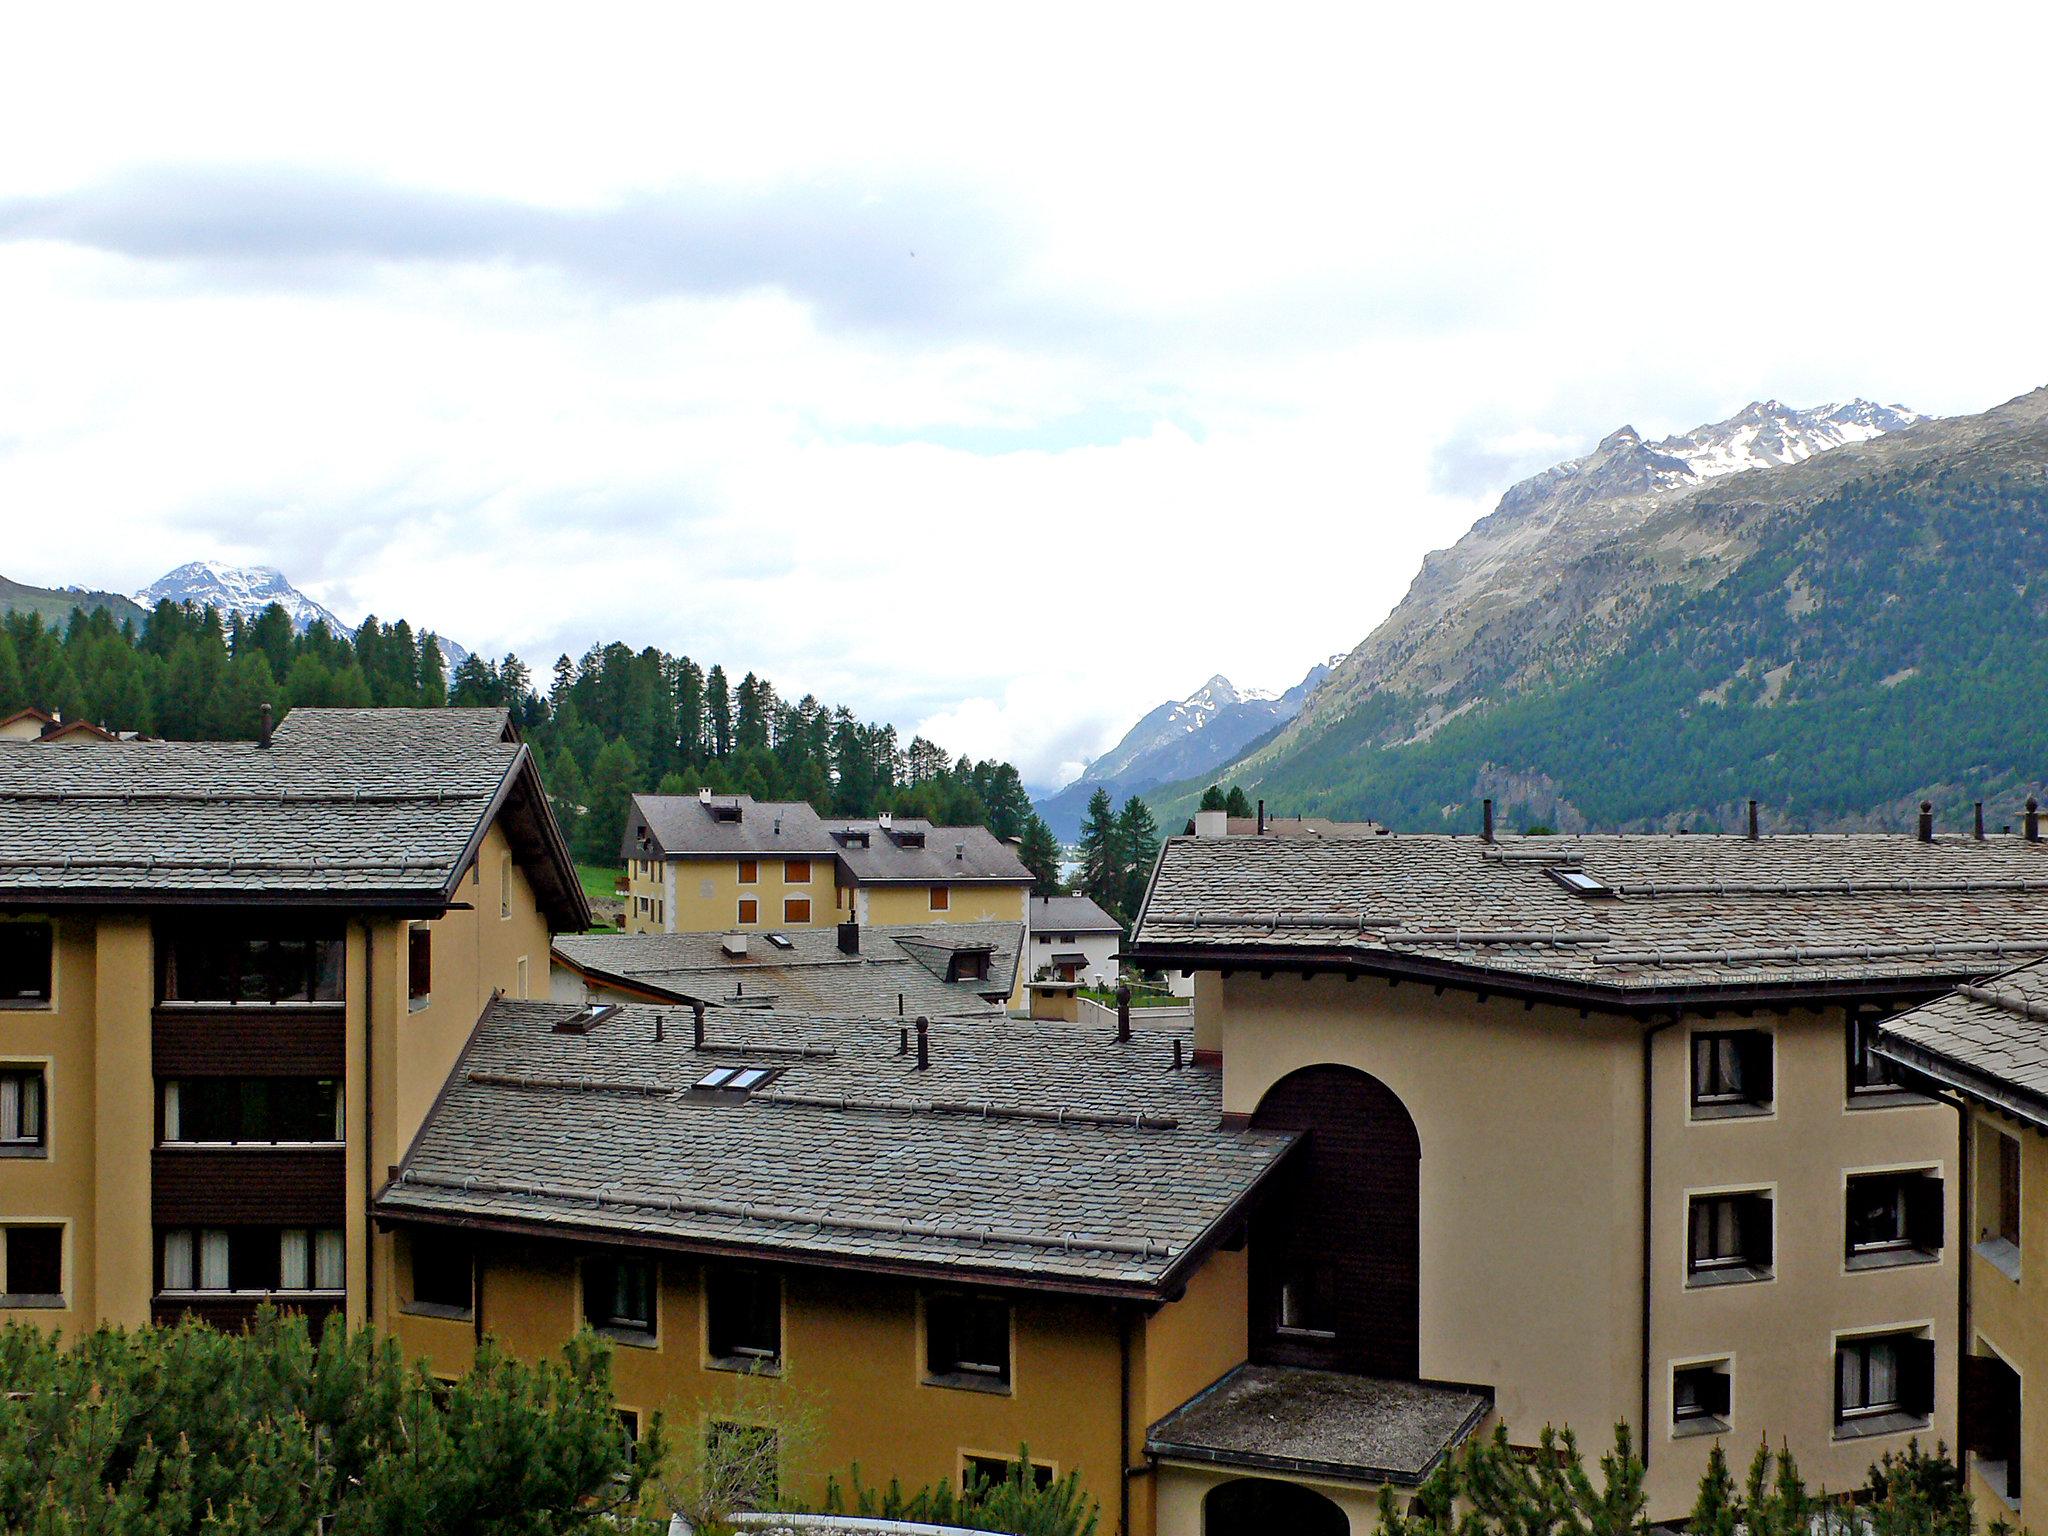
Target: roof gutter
1968,1081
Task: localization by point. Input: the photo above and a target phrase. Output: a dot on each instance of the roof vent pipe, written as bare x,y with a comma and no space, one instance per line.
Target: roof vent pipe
1176,1053
1926,821
1123,1010
696,1026
1752,821
1262,817
924,1044
2033,820
903,1041
660,1027
1486,820
959,850
263,719
1980,821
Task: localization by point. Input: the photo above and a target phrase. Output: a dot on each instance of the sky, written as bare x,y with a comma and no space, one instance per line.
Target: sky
1000,372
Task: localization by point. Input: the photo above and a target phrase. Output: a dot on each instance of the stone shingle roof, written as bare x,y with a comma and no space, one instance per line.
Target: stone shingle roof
1070,914
1680,914
899,971
946,855
1028,1153
350,807
683,824
1988,1040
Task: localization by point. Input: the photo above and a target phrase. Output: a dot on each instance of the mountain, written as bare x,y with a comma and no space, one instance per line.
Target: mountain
54,605
1833,610
243,589
1182,737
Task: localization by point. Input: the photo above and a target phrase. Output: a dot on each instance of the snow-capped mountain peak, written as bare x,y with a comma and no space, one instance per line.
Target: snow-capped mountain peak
243,589
1768,433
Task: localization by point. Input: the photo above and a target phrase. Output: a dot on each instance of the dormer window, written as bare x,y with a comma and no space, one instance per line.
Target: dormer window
726,810
968,965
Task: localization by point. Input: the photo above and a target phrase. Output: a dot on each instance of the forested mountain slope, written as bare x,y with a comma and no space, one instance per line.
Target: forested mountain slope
1838,638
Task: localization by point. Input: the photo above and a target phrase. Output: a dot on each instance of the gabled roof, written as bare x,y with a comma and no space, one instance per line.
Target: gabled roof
1988,1041
358,808
1029,1154
914,852
683,825
1664,917
1071,914
41,717
898,972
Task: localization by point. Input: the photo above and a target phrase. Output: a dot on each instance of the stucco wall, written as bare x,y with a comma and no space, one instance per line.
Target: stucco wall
2008,1316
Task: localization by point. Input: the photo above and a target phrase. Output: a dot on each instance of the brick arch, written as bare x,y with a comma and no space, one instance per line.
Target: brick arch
1345,1228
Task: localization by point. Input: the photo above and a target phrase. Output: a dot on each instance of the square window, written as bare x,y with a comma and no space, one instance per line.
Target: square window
34,1263
618,1297
796,909
1868,1071
1893,1218
750,911
967,1340
743,1316
443,1272
21,1112
1728,1238
1700,1397
750,871
1883,1377
25,964
942,898
981,1475
796,871
1731,1073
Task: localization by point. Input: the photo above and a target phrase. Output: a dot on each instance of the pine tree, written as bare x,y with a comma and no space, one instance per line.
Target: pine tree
1101,871
1213,800
1238,803
1137,850
1041,855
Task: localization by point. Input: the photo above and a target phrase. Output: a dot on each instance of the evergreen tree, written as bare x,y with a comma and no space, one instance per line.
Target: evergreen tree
718,711
1041,855
1238,803
1137,850
613,779
1101,871
1212,799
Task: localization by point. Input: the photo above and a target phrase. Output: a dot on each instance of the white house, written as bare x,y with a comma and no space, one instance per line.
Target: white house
1072,939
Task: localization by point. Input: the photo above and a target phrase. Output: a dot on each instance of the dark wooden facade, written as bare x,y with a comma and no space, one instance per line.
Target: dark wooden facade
247,1186
256,1041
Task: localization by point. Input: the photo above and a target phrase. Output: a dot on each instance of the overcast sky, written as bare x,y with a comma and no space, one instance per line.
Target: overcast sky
1000,371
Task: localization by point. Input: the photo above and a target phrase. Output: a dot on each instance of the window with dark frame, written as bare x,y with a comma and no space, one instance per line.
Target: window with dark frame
203,965
34,1263
629,1426
1729,1237
263,1110
1894,1215
251,1260
1731,1071
1305,1300
2008,1189
618,1296
25,964
1868,1071
443,1272
419,964
21,1111
743,1315
983,1474
967,1338
1700,1397
1883,1374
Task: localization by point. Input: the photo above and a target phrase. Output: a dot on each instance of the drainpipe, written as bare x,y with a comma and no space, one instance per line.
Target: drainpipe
1649,1214
369,1141
1123,1420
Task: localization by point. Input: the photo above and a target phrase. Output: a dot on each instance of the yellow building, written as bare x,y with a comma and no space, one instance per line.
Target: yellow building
915,1249
232,978
1593,1123
1982,1048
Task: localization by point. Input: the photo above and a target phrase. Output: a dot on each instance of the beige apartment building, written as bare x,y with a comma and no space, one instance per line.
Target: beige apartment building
1592,1124
232,978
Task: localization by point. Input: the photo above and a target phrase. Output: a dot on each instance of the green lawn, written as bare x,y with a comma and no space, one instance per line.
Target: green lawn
600,881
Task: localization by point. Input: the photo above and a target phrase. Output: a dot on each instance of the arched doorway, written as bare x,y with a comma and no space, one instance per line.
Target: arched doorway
1263,1506
1336,1255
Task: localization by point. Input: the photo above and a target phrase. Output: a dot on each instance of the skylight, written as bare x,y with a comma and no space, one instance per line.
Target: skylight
781,941
1579,881
740,1079
749,1077
720,1077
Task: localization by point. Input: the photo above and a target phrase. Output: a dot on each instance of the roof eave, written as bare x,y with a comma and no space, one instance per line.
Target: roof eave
1971,1082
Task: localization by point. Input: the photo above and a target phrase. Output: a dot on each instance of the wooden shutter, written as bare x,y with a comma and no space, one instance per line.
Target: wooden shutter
1977,1411
2008,1188
941,1334
1758,1081
1916,1375
1753,1214
1714,1392
1924,1216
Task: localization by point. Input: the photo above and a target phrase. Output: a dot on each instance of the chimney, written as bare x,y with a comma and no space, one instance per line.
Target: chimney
1926,821
660,1027
1262,818
1176,1053
924,1044
849,937
1212,823
960,850
1123,1010
263,719
1752,821
696,1026
704,795
903,1041
778,826
886,820
1486,820
2033,820
734,944
1980,821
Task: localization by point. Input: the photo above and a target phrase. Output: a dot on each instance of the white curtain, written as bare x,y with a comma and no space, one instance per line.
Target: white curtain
213,1261
340,1130
291,1260
171,1112
328,1271
177,1261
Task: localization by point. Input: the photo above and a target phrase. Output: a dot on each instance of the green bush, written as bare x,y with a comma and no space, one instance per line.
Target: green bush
1017,1505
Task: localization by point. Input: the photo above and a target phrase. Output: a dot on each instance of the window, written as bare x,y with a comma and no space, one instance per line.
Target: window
967,1341
521,977
750,871
1868,1071
1893,1218
1731,1073
252,1109
1883,1382
979,1474
1728,1238
419,965
202,965
2009,1188
32,1264
743,1317
1307,1298
618,1298
743,1458
253,1260
629,1426
942,898
1579,882
505,886
750,911
796,871
443,1274
24,965
796,909
1700,1396
21,1112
